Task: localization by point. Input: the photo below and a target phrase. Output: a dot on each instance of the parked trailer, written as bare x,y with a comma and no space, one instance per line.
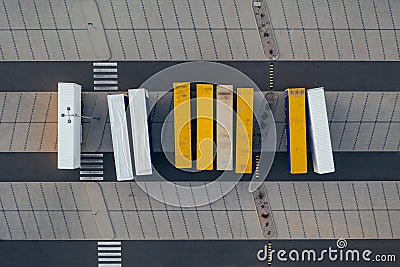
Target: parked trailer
224,110
244,130
320,138
295,110
140,130
205,110
119,135
182,129
69,126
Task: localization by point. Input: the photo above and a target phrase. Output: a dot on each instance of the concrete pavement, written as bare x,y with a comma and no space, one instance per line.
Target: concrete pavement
300,210
336,30
128,30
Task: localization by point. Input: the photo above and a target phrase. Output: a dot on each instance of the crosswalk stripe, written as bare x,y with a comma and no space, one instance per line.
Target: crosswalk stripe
91,155
105,88
109,248
105,76
91,167
109,259
91,172
104,79
105,82
95,167
87,178
271,76
105,70
109,243
104,64
91,160
108,254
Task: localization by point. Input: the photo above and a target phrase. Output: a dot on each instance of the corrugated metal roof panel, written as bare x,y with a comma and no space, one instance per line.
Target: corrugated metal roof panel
320,139
140,131
69,126
120,138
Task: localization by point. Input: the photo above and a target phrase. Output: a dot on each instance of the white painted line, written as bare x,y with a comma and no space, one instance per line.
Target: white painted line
85,167
105,76
109,248
109,259
104,70
112,254
91,160
105,64
109,265
91,155
105,82
91,172
99,178
109,243
106,88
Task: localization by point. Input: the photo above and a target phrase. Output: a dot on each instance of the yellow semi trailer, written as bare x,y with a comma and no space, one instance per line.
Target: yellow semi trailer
295,109
204,107
182,129
244,130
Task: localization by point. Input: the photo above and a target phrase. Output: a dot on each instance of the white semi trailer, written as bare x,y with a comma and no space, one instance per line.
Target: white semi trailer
120,137
69,126
319,136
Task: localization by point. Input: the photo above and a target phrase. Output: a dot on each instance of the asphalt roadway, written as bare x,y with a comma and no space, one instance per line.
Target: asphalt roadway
333,75
350,166
191,253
